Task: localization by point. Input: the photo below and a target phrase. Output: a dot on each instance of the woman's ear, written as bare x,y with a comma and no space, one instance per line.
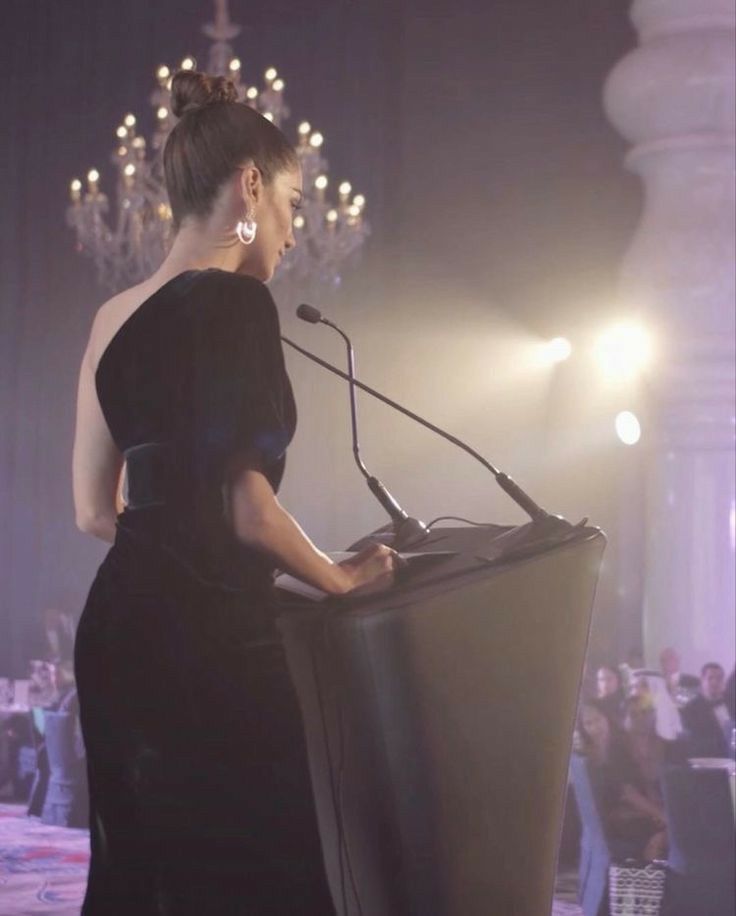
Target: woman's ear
251,183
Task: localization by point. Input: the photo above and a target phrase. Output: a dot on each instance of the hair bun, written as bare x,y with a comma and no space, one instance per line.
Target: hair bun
192,90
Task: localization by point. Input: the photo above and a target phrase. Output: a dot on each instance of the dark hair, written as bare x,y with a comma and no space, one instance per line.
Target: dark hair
215,135
708,665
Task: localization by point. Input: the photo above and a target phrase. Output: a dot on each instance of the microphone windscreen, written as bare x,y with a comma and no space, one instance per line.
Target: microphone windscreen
309,313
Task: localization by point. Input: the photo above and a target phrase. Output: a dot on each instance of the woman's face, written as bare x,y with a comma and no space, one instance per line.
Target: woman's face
595,725
608,682
274,209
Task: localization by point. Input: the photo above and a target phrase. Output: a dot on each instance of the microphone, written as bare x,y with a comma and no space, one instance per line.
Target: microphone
537,514
407,530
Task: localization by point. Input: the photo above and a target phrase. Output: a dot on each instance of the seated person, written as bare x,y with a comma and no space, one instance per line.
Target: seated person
630,816
706,719
610,693
682,687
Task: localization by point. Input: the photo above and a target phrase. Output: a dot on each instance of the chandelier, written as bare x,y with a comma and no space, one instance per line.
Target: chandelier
129,241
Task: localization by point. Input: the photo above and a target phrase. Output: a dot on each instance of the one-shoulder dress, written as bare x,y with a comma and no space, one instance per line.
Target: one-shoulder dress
200,796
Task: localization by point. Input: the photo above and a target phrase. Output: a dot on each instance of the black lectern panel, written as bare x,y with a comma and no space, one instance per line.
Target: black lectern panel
439,720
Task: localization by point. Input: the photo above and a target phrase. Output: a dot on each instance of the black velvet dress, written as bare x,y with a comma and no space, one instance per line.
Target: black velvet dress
201,801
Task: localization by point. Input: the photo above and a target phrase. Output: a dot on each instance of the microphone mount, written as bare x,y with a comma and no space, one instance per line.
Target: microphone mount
407,530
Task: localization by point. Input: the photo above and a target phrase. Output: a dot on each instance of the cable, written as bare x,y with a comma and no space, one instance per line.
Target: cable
456,518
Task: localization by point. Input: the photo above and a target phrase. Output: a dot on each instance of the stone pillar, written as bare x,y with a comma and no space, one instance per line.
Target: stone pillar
673,99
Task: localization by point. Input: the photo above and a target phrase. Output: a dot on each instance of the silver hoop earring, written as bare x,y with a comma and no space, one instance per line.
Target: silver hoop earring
246,230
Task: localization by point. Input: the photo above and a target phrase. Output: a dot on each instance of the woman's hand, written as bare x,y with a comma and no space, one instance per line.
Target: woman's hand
372,568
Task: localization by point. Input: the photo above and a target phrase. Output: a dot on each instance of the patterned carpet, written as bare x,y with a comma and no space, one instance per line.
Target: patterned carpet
44,869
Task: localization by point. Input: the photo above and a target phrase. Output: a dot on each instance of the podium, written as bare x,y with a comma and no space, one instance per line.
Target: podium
439,718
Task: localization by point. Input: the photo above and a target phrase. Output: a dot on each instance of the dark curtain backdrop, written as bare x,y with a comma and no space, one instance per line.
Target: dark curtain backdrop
474,128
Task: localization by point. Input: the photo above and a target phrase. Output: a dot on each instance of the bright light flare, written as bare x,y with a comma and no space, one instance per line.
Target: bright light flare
557,350
628,428
623,351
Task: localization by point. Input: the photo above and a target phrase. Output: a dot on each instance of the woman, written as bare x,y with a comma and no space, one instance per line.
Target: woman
200,795
633,820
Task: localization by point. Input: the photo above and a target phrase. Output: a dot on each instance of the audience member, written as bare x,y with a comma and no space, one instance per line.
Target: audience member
610,694
630,817
682,687
706,719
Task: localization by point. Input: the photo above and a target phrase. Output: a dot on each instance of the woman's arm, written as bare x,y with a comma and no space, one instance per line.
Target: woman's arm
96,461
258,519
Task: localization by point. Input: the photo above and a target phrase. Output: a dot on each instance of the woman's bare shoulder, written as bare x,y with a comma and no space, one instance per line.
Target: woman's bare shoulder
113,313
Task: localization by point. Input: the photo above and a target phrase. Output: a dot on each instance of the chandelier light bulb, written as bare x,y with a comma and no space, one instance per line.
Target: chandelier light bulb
76,185
353,210
162,113
304,128
139,142
331,217
320,182
75,189
299,222
234,65
163,73
252,93
359,201
189,63
628,428
316,140
129,120
270,74
121,133
129,170
345,189
93,176
122,151
278,85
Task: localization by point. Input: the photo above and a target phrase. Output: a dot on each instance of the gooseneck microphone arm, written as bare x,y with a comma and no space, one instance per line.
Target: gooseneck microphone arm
509,486
407,530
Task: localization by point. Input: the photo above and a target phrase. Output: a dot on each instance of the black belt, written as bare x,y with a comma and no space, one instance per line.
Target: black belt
149,475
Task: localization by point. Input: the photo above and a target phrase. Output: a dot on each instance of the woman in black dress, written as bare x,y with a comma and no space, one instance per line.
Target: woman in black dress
200,795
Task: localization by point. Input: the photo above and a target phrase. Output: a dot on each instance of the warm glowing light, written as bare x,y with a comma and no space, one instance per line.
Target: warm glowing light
316,140
278,85
270,74
345,188
252,93
353,210
320,182
234,65
163,72
93,176
623,350
359,200
299,222
331,216
129,120
139,142
268,115
628,428
122,151
129,170
304,128
162,113
557,350
121,132
188,63
76,185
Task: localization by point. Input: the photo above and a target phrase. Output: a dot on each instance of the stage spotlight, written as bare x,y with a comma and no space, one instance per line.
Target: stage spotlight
622,351
557,350
628,428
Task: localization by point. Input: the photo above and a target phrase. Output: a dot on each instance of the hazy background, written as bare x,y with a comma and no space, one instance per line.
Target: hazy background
500,210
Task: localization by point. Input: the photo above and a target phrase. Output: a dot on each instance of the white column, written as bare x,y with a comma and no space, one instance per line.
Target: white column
673,99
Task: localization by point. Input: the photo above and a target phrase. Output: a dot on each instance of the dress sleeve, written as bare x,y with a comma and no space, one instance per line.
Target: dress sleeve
248,408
